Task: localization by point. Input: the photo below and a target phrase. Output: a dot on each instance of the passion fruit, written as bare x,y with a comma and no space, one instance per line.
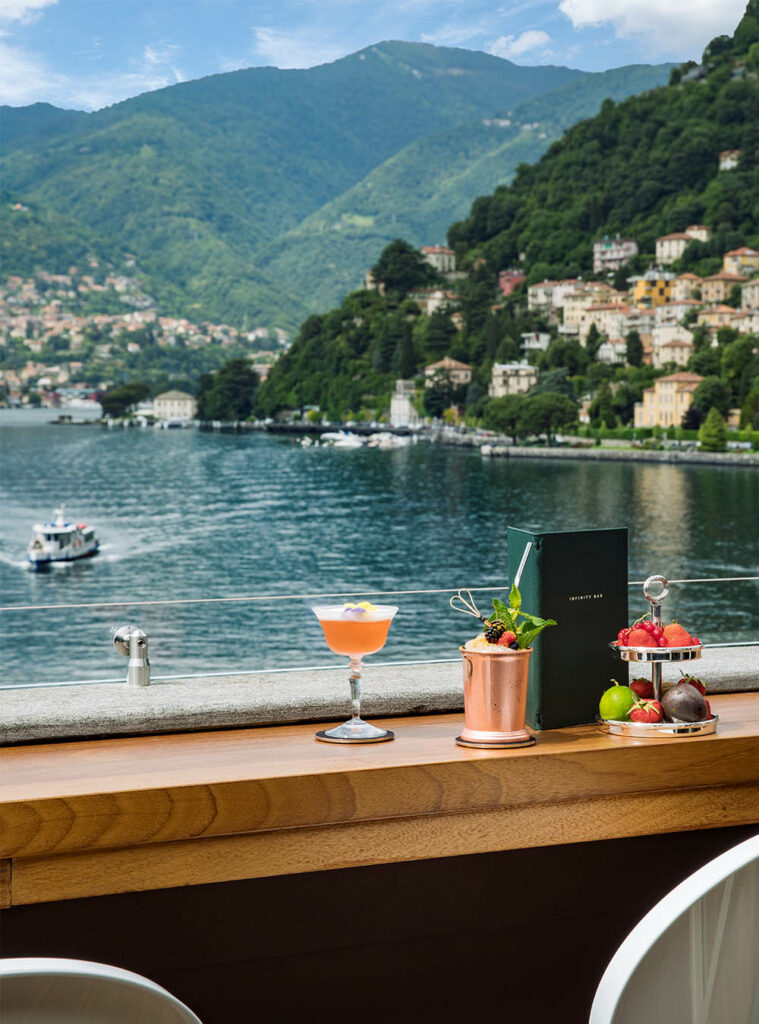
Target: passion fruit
683,703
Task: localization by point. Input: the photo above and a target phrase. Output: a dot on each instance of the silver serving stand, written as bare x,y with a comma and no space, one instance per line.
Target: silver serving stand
656,657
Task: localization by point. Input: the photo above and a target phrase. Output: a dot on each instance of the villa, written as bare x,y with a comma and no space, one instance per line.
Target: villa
665,404
174,405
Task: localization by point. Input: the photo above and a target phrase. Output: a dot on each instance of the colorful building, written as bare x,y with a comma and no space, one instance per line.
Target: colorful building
665,404
743,261
653,288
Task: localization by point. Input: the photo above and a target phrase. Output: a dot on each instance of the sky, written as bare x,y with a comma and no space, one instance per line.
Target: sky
87,54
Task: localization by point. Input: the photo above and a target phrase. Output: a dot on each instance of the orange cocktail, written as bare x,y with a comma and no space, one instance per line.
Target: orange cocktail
355,630
353,637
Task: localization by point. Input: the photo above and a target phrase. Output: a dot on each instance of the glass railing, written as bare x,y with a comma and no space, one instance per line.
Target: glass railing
248,634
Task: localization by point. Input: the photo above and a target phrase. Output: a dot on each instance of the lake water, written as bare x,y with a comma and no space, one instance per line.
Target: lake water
191,514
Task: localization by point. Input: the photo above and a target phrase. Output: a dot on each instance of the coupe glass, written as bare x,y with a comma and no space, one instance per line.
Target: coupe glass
355,631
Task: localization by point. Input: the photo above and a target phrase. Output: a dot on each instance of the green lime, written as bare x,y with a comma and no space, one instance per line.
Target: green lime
616,703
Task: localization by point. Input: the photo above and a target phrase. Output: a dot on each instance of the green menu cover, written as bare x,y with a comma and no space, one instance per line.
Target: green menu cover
579,578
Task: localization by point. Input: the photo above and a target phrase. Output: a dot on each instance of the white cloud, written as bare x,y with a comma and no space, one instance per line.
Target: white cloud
514,46
455,33
24,78
293,49
666,24
23,10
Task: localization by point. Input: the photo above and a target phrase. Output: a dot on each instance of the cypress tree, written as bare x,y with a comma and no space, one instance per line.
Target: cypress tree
713,433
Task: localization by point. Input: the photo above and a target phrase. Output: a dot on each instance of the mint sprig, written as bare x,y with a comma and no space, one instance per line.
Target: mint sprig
510,615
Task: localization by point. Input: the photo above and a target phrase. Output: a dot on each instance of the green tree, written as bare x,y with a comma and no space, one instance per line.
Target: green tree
439,333
441,394
602,407
712,433
634,349
750,408
505,415
405,361
229,393
593,341
711,392
739,367
705,361
118,401
401,267
547,413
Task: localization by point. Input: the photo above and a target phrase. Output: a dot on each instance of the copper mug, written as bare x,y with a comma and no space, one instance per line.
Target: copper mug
495,699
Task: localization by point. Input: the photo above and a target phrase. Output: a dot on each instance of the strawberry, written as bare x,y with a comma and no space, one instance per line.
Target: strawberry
699,684
646,711
640,638
677,636
622,636
643,688
506,639
709,711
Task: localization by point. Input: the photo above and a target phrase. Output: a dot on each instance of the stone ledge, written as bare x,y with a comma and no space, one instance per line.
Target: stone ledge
46,714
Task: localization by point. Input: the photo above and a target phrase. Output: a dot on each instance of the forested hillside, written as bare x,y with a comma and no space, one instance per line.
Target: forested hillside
201,179
643,167
430,182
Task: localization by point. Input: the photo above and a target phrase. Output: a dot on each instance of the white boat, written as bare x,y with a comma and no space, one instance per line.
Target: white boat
60,541
343,439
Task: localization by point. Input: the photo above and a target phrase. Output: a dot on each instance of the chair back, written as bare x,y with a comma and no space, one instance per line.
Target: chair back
41,990
694,958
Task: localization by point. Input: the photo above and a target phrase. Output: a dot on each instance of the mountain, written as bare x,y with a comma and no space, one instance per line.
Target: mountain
420,189
35,123
200,180
643,167
33,237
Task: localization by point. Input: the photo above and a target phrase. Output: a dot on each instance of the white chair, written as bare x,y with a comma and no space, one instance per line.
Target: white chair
694,958
38,990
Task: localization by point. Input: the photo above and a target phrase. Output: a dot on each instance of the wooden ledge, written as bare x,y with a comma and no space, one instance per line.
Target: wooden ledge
121,815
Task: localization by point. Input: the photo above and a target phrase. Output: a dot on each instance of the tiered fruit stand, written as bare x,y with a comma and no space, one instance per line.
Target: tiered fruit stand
656,657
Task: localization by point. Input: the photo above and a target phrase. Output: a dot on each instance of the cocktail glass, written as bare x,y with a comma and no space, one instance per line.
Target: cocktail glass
355,631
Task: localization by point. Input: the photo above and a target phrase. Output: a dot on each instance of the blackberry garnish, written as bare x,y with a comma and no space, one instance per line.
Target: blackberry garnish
494,632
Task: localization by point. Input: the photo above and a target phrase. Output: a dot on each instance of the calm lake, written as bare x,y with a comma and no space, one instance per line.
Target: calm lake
191,514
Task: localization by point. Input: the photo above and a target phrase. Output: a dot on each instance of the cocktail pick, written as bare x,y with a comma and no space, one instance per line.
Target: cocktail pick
465,604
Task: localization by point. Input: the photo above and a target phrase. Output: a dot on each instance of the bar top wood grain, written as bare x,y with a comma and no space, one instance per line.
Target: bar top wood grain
113,815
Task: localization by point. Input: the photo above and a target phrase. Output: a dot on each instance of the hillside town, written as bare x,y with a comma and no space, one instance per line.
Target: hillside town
73,335
661,308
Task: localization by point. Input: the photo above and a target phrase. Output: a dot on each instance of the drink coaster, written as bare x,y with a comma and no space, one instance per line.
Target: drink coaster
496,746
322,735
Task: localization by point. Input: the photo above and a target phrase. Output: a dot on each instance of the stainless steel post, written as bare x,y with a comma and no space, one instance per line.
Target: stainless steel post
132,642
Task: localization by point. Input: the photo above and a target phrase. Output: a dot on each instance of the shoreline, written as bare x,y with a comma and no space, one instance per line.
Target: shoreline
599,454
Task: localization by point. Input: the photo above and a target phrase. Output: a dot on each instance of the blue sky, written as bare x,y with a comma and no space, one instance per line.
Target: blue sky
90,53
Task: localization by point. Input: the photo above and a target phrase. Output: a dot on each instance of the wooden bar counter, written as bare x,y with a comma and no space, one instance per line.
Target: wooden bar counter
256,871
91,818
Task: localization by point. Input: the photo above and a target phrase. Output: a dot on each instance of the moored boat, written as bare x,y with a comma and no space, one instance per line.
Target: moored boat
61,541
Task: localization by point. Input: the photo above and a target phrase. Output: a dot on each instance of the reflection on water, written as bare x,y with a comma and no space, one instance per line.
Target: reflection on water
191,514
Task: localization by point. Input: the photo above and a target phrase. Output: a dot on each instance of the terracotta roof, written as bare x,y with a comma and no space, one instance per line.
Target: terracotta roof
743,251
724,276
688,276
718,309
683,377
448,364
674,237
438,249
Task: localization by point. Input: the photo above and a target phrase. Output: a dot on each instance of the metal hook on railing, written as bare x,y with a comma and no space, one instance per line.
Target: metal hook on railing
132,642
466,605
